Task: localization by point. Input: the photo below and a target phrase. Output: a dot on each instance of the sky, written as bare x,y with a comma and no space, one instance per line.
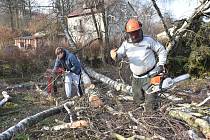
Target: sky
43,2
178,8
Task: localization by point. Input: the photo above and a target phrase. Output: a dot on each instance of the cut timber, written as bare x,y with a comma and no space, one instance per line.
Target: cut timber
120,86
197,123
5,99
114,84
68,110
95,101
76,124
29,121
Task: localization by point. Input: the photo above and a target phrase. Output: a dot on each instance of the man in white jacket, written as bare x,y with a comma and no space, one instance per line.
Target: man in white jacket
141,52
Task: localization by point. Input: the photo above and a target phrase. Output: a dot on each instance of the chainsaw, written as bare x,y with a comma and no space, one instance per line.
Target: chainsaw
160,83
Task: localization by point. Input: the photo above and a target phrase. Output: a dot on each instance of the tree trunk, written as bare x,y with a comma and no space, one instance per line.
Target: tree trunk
174,39
194,122
11,16
106,43
17,21
161,17
30,8
100,36
5,99
95,23
60,6
29,121
114,84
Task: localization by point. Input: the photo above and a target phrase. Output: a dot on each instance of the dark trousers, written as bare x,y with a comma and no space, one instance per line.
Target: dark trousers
139,96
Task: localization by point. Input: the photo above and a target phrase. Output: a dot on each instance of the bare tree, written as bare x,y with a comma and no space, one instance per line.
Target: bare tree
200,11
17,10
7,7
61,13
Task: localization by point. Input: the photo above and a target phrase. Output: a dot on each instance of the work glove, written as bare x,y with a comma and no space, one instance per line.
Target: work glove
113,53
60,71
157,70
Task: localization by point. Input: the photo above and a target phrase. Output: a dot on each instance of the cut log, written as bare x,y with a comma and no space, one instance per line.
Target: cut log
29,121
68,110
76,124
95,101
194,122
114,84
120,86
5,99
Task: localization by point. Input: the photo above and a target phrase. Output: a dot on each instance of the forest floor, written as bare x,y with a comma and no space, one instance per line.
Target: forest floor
27,102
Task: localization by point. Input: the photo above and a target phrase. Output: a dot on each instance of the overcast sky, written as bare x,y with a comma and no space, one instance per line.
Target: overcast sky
43,2
178,8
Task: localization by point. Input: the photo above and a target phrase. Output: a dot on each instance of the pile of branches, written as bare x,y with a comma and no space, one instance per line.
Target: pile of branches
114,118
111,114
120,119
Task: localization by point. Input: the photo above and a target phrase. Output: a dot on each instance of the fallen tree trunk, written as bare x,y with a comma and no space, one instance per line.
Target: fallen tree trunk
199,123
29,121
114,84
119,86
194,122
29,85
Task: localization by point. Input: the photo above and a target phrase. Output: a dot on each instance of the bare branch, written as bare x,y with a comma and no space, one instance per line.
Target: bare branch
161,17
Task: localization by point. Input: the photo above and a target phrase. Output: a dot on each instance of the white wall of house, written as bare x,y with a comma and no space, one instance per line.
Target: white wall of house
82,28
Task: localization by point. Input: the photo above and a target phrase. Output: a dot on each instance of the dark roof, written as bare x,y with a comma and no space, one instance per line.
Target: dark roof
24,37
36,35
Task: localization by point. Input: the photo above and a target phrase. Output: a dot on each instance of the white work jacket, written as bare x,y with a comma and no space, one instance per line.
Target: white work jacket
141,55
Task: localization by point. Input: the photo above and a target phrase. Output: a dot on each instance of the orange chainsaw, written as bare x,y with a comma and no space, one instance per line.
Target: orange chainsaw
162,83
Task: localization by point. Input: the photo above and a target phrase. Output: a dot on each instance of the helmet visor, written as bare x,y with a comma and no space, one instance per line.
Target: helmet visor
135,37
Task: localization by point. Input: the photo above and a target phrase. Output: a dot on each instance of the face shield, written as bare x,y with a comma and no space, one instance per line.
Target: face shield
135,36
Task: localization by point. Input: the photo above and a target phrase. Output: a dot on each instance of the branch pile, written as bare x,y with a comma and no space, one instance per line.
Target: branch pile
117,117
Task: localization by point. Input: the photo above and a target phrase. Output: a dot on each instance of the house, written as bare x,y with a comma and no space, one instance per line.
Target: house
81,25
30,42
83,30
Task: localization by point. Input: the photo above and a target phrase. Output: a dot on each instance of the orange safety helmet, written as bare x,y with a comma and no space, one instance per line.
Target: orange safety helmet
132,25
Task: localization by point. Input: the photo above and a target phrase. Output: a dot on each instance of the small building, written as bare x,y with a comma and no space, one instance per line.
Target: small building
82,27
30,42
